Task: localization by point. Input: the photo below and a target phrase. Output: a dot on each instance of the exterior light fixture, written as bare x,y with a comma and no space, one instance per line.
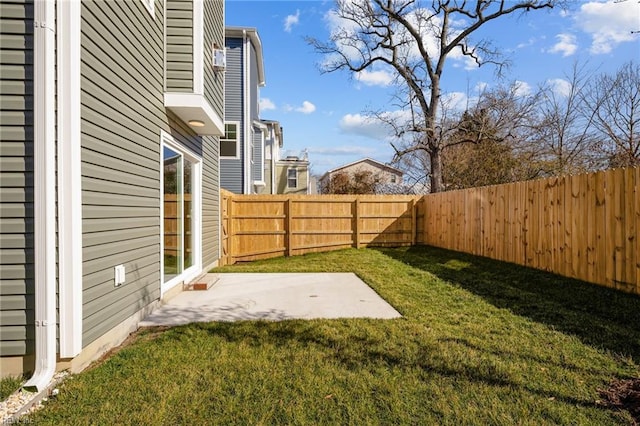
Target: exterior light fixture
196,123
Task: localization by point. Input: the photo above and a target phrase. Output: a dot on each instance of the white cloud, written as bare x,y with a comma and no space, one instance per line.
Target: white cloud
342,150
609,24
481,86
560,86
266,104
291,20
566,44
357,124
375,78
454,101
528,43
306,108
522,88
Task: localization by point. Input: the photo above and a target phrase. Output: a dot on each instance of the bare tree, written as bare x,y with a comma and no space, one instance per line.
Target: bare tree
565,133
491,142
615,100
415,39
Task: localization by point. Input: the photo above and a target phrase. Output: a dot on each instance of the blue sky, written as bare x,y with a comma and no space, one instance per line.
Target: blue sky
324,113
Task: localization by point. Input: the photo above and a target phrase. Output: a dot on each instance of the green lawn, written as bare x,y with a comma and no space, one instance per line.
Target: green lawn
481,342
8,385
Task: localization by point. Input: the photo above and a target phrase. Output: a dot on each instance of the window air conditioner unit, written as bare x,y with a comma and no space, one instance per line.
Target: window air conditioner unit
219,59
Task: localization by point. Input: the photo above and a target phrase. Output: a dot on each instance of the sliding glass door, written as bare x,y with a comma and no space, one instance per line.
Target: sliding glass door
180,213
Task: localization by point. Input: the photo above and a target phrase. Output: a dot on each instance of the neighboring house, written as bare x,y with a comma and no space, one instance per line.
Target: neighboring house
382,173
242,146
292,175
273,142
111,114
288,176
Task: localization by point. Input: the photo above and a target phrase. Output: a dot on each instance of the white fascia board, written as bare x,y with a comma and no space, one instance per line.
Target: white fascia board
198,46
69,180
192,106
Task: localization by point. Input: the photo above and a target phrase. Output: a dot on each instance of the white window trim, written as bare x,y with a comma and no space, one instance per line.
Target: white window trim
295,169
150,6
238,131
69,179
196,268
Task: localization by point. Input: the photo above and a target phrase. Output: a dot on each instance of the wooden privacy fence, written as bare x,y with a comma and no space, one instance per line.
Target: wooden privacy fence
585,226
263,226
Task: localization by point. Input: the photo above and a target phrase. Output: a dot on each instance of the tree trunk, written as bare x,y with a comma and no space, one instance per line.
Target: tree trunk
437,183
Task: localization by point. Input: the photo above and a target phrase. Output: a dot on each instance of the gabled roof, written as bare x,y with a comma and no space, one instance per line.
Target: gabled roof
366,160
252,34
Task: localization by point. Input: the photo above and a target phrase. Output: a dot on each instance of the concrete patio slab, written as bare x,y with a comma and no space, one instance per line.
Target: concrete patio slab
275,296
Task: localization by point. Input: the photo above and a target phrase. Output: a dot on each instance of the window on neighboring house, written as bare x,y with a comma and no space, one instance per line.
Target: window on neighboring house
229,146
292,178
393,178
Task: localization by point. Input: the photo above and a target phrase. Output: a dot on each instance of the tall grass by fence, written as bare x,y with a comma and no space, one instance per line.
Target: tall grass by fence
259,226
585,226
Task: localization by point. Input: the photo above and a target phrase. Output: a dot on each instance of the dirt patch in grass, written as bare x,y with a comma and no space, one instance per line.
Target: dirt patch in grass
623,394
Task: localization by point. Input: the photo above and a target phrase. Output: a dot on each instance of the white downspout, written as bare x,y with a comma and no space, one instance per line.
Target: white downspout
246,69
44,182
273,166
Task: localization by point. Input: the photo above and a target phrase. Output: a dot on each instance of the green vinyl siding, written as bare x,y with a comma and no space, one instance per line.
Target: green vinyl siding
123,115
179,54
213,34
122,112
214,94
16,178
210,202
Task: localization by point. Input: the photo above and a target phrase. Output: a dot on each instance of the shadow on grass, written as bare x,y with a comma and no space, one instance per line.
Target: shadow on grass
597,315
357,347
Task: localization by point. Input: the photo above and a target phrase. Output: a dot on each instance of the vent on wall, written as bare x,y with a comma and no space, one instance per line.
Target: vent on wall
219,59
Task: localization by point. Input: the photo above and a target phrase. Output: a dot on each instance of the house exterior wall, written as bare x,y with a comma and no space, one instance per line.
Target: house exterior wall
122,113
231,177
282,168
257,154
16,180
122,120
383,174
214,94
213,35
122,74
243,78
179,45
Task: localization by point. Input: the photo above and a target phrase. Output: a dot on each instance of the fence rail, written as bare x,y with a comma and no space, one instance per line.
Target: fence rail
262,226
584,226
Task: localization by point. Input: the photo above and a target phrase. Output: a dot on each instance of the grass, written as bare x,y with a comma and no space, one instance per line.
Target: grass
9,385
481,342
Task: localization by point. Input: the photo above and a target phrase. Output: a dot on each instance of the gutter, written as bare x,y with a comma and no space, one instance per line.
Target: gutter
44,115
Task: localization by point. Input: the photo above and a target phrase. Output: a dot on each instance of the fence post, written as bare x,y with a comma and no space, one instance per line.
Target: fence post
288,220
230,259
356,223
414,226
